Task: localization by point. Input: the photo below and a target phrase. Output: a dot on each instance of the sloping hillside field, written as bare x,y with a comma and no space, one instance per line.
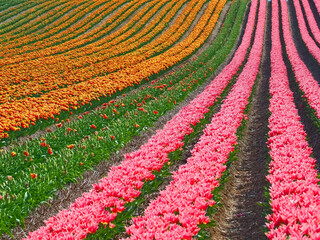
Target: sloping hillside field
160,119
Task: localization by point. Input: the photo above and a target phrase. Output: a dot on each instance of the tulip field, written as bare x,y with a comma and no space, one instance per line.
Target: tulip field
160,119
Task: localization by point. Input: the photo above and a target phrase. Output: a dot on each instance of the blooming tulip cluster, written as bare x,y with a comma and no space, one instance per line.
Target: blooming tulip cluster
156,99
181,207
124,182
307,83
310,43
317,3
55,101
311,20
27,16
59,31
294,191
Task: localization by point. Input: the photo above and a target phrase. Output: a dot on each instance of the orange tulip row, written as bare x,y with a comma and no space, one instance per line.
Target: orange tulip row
49,79
27,16
15,10
38,24
70,28
14,115
59,38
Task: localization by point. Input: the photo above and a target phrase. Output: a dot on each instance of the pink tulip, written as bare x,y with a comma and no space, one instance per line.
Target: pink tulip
294,191
307,83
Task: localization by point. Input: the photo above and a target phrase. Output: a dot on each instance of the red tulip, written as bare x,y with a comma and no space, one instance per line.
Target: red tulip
50,151
33,175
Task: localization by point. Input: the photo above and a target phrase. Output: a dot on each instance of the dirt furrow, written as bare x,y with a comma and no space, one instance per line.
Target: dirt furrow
240,216
315,12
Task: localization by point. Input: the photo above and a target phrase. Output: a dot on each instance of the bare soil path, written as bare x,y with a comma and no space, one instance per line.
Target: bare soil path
240,216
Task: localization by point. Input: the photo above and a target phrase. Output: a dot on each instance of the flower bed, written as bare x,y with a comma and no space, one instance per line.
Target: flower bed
47,161
307,83
138,166
294,190
308,40
181,207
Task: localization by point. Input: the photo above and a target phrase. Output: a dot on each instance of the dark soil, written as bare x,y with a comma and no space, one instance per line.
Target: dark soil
307,23
315,12
311,129
240,216
303,51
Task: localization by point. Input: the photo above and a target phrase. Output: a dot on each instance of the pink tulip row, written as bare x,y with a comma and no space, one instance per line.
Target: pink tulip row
124,182
181,207
294,190
317,3
308,40
311,20
307,83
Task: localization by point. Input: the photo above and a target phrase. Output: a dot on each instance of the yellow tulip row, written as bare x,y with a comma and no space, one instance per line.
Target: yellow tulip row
14,115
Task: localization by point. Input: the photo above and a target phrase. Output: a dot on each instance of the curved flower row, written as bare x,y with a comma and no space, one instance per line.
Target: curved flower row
54,102
67,71
181,207
124,182
317,3
64,29
46,43
11,9
42,21
100,129
294,191
144,161
311,20
72,24
310,43
28,15
307,83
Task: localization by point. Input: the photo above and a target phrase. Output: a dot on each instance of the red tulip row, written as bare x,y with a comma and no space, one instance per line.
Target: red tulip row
294,191
311,20
181,207
308,40
124,182
307,83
